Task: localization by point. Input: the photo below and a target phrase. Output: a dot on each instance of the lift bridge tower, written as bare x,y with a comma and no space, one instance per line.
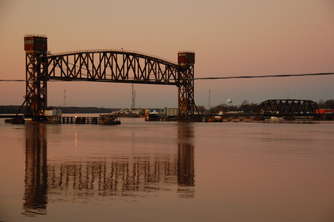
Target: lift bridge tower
36,48
186,100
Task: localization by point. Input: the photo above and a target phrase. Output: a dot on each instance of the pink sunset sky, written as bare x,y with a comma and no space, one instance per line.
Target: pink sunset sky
229,37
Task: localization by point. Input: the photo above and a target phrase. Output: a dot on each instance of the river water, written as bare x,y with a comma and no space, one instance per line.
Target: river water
167,171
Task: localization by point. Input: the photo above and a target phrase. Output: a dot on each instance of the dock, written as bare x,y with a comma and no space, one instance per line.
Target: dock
68,120
78,120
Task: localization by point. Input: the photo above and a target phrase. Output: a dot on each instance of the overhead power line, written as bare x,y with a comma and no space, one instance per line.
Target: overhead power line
12,80
227,77
264,76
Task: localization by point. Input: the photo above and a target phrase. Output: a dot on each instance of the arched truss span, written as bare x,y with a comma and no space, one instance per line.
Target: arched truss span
112,66
288,107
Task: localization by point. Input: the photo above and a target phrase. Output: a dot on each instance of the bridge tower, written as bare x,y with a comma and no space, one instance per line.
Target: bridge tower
186,102
36,76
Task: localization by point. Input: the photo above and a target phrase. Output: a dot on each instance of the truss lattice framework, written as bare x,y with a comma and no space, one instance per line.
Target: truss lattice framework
288,107
36,84
112,66
186,89
105,66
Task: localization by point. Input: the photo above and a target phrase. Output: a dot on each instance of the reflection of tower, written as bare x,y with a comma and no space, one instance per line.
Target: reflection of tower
35,196
185,163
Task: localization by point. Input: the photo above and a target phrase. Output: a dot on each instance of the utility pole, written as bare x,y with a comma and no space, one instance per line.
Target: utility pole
209,99
64,97
133,97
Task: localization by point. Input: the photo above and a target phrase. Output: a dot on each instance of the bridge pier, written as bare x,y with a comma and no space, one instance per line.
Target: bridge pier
36,76
186,101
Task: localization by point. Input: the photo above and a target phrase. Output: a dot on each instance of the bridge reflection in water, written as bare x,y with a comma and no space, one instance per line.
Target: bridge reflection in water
134,175
36,171
185,159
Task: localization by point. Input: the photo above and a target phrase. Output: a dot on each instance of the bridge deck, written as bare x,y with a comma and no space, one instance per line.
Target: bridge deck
54,78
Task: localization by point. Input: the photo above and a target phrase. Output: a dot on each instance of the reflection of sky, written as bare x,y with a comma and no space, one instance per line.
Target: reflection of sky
230,36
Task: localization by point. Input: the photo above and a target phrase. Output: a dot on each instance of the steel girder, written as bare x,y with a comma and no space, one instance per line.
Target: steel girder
36,85
186,101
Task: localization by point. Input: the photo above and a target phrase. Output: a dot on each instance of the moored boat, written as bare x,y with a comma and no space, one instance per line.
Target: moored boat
16,120
108,119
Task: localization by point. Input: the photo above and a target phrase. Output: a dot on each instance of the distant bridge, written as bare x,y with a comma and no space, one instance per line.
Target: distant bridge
104,66
288,107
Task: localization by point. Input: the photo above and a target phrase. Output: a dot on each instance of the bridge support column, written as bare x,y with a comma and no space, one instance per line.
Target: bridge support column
186,101
36,76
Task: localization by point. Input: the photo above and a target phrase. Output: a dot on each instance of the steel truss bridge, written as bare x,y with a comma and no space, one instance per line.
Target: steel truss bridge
104,66
288,107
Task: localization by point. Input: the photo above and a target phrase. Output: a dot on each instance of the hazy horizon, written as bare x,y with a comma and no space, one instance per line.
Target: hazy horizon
229,37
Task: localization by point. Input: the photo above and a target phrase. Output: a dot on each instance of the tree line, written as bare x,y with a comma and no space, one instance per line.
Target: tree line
249,107
13,109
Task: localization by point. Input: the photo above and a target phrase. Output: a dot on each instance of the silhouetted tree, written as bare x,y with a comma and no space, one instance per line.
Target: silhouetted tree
328,104
247,107
201,109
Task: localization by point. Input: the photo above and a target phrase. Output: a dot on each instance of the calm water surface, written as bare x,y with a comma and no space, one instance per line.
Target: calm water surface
167,171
